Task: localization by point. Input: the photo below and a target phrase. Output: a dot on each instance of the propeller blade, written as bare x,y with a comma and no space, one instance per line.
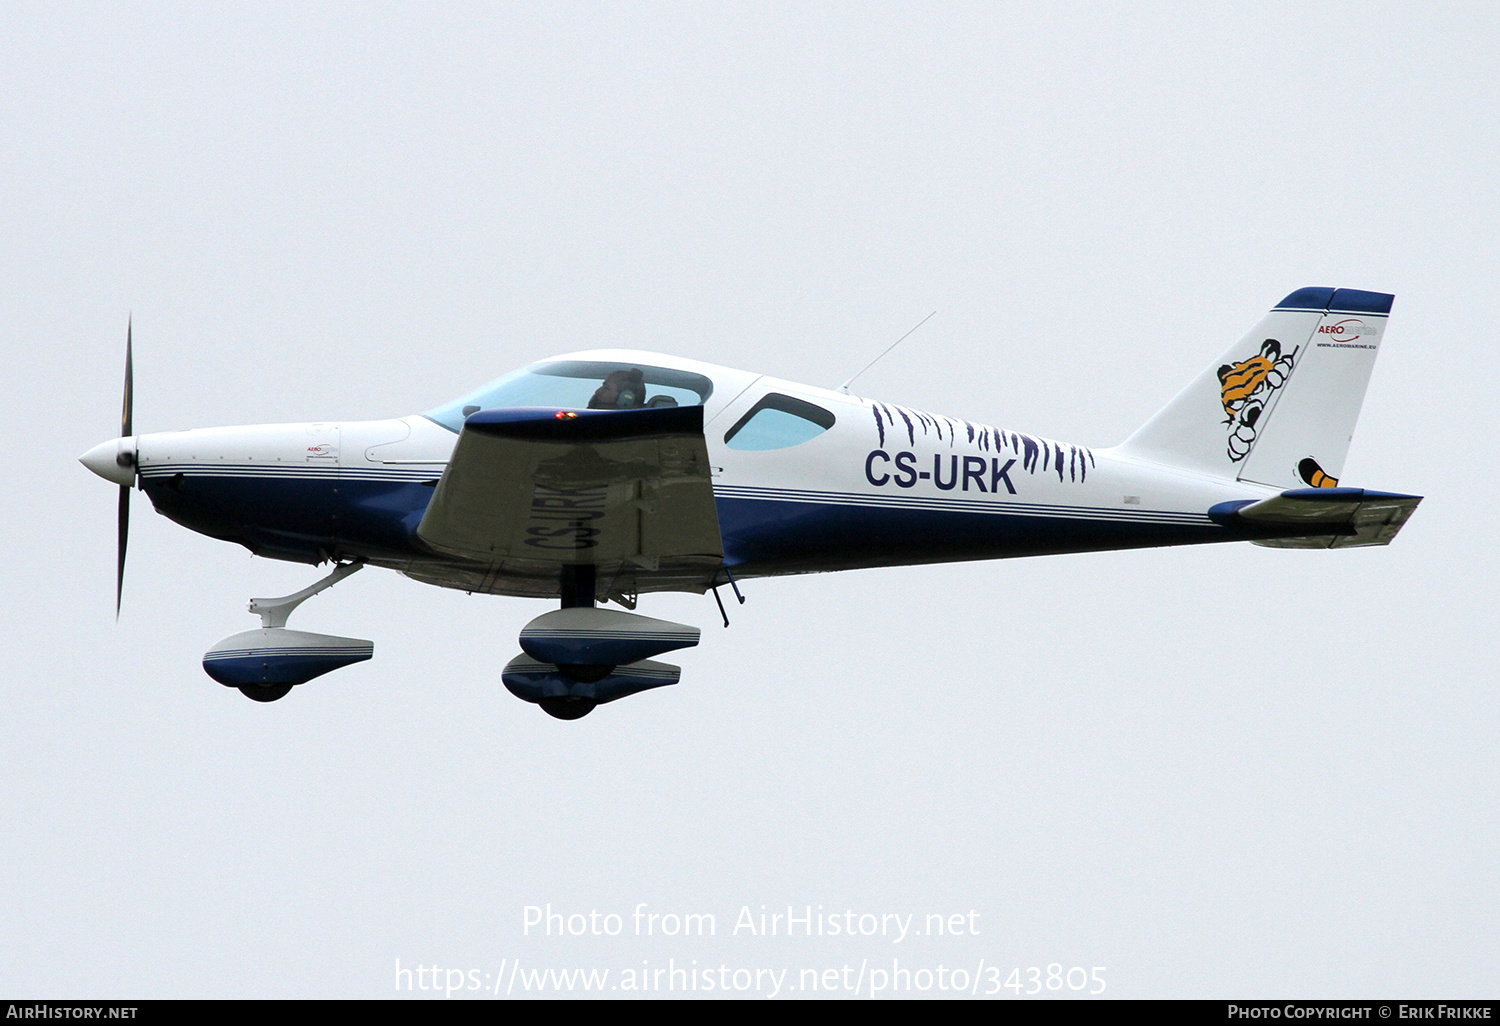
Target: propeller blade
124,526
126,415
127,419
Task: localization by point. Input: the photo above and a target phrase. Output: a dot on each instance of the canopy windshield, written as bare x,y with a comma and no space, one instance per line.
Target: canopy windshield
580,385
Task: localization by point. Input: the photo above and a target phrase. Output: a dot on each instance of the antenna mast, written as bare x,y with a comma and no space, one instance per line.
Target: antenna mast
845,386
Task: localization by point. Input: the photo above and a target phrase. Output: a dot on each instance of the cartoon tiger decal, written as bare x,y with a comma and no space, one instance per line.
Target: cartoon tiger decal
1313,474
1245,389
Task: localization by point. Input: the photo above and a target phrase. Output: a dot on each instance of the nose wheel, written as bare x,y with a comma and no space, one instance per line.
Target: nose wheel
264,665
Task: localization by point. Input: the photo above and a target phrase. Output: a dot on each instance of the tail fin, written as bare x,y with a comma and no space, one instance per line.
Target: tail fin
1279,408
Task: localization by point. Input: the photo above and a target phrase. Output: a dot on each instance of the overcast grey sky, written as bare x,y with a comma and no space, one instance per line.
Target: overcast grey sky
1217,771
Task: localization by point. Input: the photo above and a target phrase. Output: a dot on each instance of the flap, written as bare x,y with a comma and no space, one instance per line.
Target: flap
534,488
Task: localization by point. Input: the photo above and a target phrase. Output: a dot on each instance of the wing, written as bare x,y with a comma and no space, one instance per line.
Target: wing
626,491
1323,518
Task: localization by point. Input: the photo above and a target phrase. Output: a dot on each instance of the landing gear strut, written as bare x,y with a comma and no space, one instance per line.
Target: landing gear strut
577,586
579,656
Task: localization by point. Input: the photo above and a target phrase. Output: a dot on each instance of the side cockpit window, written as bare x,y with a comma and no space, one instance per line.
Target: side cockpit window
778,422
581,385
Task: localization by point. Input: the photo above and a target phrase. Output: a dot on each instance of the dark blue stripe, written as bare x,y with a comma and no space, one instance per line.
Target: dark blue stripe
532,684
766,536
1342,300
234,671
573,426
1307,299
1355,301
304,520
308,521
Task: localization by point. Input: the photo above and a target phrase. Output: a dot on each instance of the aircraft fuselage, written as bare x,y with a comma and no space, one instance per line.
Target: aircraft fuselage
873,484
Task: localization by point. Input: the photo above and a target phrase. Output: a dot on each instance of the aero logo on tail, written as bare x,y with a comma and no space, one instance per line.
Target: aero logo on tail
1280,407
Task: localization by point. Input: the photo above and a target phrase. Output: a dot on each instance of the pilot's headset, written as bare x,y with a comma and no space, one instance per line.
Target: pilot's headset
632,388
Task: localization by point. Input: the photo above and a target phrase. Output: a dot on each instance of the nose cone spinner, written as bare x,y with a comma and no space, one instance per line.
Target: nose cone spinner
113,460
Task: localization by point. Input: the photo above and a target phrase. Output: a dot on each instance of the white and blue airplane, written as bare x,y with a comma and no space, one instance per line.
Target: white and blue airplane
602,476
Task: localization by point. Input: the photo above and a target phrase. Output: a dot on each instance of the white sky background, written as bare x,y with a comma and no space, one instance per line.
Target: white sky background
1216,771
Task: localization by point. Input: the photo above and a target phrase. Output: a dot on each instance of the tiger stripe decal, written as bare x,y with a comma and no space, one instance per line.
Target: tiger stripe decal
1313,474
1245,390
1242,381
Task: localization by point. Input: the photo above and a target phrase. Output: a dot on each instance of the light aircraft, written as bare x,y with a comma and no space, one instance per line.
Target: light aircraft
606,475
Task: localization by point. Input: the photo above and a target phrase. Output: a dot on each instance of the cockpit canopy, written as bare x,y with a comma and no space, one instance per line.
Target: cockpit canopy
580,385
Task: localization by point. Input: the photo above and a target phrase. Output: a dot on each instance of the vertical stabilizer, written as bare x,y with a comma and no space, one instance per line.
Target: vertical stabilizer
1279,408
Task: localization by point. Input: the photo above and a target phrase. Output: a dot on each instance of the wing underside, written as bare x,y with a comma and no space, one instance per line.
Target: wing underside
527,492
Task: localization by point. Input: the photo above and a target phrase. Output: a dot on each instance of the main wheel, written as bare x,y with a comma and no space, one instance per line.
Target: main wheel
567,708
265,692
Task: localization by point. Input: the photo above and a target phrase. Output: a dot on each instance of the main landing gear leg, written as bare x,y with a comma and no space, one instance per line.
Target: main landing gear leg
577,584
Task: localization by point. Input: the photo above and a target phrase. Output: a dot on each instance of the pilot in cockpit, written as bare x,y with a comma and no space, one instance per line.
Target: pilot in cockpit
626,390
622,390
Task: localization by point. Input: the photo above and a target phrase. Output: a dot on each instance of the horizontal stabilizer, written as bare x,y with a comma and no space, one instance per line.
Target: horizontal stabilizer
1325,518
